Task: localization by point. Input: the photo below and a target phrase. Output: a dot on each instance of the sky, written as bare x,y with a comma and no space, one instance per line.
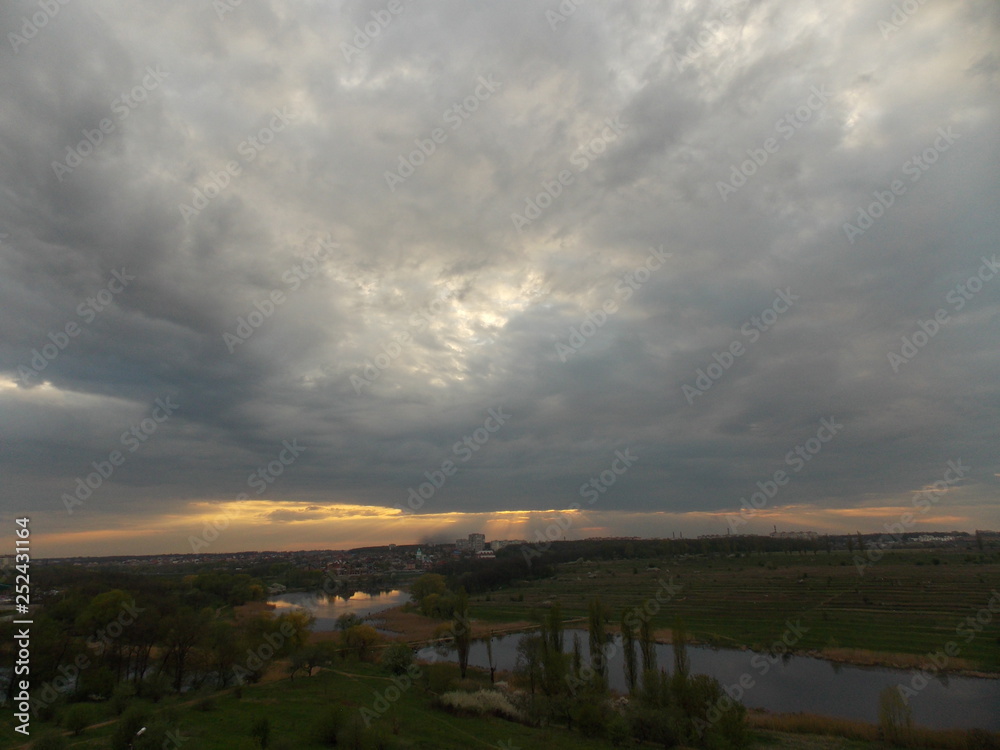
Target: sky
307,275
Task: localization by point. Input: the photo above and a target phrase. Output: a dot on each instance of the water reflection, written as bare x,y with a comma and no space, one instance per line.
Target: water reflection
326,608
800,683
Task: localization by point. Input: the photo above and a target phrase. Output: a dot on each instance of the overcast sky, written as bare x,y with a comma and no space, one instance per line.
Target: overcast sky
273,264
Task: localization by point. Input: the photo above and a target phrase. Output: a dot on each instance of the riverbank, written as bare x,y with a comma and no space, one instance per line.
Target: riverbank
416,629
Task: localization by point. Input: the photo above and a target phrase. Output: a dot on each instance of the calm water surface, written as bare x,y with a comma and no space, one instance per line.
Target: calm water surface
327,608
801,683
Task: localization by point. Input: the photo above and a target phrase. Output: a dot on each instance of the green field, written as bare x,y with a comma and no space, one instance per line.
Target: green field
906,603
294,707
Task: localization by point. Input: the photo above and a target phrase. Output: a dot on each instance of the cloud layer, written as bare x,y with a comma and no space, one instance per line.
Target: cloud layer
692,230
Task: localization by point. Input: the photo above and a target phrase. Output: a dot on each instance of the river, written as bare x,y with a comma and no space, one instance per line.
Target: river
802,683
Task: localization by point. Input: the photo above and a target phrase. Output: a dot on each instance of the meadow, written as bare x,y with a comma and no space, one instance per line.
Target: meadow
907,605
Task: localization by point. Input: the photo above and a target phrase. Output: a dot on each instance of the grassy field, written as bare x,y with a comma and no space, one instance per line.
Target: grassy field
294,708
905,604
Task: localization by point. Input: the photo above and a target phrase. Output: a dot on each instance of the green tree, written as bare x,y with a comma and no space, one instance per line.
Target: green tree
647,643
628,645
598,639
895,720
462,631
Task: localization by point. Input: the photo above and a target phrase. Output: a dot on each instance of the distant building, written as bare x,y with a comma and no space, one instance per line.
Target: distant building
793,535
477,542
462,544
486,554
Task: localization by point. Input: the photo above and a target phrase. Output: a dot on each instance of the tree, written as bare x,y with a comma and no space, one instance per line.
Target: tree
895,720
598,638
348,620
647,643
529,661
682,666
628,645
360,640
426,585
489,657
397,658
463,631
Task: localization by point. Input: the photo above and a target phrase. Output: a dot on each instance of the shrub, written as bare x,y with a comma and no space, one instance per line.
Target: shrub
439,677
260,731
77,718
591,720
128,725
122,697
397,658
328,727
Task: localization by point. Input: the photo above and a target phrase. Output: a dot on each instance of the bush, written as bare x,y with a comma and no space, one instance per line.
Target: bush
128,725
154,687
260,731
328,727
397,658
122,697
591,719
78,717
156,737
440,676
618,731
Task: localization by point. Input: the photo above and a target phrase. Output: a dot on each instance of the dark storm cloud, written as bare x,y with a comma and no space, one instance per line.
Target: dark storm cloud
242,185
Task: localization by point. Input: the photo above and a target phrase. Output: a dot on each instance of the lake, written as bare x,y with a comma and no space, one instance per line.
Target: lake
801,683
326,608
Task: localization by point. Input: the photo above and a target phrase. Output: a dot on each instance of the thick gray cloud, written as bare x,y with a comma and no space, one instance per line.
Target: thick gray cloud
676,164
